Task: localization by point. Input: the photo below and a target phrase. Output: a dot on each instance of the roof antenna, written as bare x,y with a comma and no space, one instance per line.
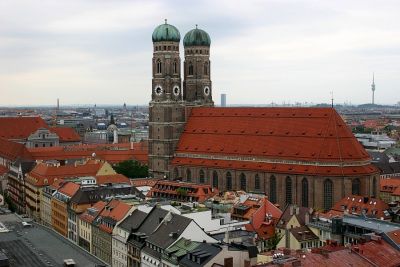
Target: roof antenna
196,26
332,98
165,21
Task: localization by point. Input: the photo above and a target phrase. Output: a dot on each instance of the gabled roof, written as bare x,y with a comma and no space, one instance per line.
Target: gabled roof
13,150
91,213
293,210
116,210
69,189
133,221
379,252
20,127
112,153
317,134
163,237
66,134
359,205
303,233
43,171
112,178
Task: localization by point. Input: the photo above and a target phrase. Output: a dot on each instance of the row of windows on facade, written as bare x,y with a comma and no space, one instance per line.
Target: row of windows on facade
166,47
328,187
175,67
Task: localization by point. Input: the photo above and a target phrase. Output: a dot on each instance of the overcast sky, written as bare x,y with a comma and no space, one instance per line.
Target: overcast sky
99,51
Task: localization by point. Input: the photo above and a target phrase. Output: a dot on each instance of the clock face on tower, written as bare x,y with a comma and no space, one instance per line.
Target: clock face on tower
158,90
206,90
176,90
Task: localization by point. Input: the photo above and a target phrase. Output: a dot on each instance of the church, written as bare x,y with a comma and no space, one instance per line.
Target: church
304,156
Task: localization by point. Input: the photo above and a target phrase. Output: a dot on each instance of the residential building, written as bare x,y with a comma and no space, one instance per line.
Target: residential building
293,230
169,231
85,221
59,207
45,174
182,191
390,189
121,234
102,228
45,202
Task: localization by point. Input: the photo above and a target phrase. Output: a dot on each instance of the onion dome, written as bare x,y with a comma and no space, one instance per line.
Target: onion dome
166,33
196,37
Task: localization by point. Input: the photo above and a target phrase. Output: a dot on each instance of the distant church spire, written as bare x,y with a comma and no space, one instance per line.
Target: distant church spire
373,88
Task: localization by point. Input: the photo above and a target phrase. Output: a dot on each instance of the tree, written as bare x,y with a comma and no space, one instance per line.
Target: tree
273,241
132,169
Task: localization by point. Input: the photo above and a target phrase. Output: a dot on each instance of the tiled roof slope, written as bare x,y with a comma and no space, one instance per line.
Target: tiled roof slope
20,127
112,153
295,134
69,188
66,134
13,150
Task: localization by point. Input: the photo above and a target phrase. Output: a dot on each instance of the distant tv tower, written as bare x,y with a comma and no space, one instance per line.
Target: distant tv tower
373,88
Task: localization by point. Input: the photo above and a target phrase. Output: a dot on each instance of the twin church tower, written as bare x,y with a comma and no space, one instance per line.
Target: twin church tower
171,100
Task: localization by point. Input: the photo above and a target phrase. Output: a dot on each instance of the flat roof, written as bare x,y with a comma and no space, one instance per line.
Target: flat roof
371,223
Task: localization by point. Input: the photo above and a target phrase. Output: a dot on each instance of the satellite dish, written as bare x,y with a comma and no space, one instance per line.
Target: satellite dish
93,155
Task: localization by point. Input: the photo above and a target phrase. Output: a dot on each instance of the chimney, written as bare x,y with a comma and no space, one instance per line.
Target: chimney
307,218
291,210
297,210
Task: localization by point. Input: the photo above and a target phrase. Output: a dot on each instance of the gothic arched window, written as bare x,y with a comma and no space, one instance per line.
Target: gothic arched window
289,197
243,183
206,68
328,194
188,175
175,66
304,192
272,189
215,179
201,175
374,186
228,181
159,66
257,182
190,68
355,186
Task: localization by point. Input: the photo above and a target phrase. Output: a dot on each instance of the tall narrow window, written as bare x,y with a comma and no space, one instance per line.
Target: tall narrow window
215,179
176,174
289,196
159,66
175,67
206,68
374,187
228,181
188,175
257,182
328,194
272,189
355,187
243,183
304,192
190,68
201,176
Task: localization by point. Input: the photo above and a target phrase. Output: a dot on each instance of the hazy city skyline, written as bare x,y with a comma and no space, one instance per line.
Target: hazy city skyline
87,52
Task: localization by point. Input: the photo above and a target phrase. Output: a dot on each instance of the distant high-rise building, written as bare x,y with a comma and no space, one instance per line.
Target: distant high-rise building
373,89
223,100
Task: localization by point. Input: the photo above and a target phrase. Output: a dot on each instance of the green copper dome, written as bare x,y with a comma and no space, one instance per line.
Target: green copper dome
197,37
166,32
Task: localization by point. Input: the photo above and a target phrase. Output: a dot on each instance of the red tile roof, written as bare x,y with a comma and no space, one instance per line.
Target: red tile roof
356,204
115,210
395,236
66,134
112,178
264,135
98,206
20,127
112,153
13,150
379,252
276,168
289,133
389,185
69,188
43,171
144,182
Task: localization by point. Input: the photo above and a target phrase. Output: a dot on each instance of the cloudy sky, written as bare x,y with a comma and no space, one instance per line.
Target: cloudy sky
99,51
